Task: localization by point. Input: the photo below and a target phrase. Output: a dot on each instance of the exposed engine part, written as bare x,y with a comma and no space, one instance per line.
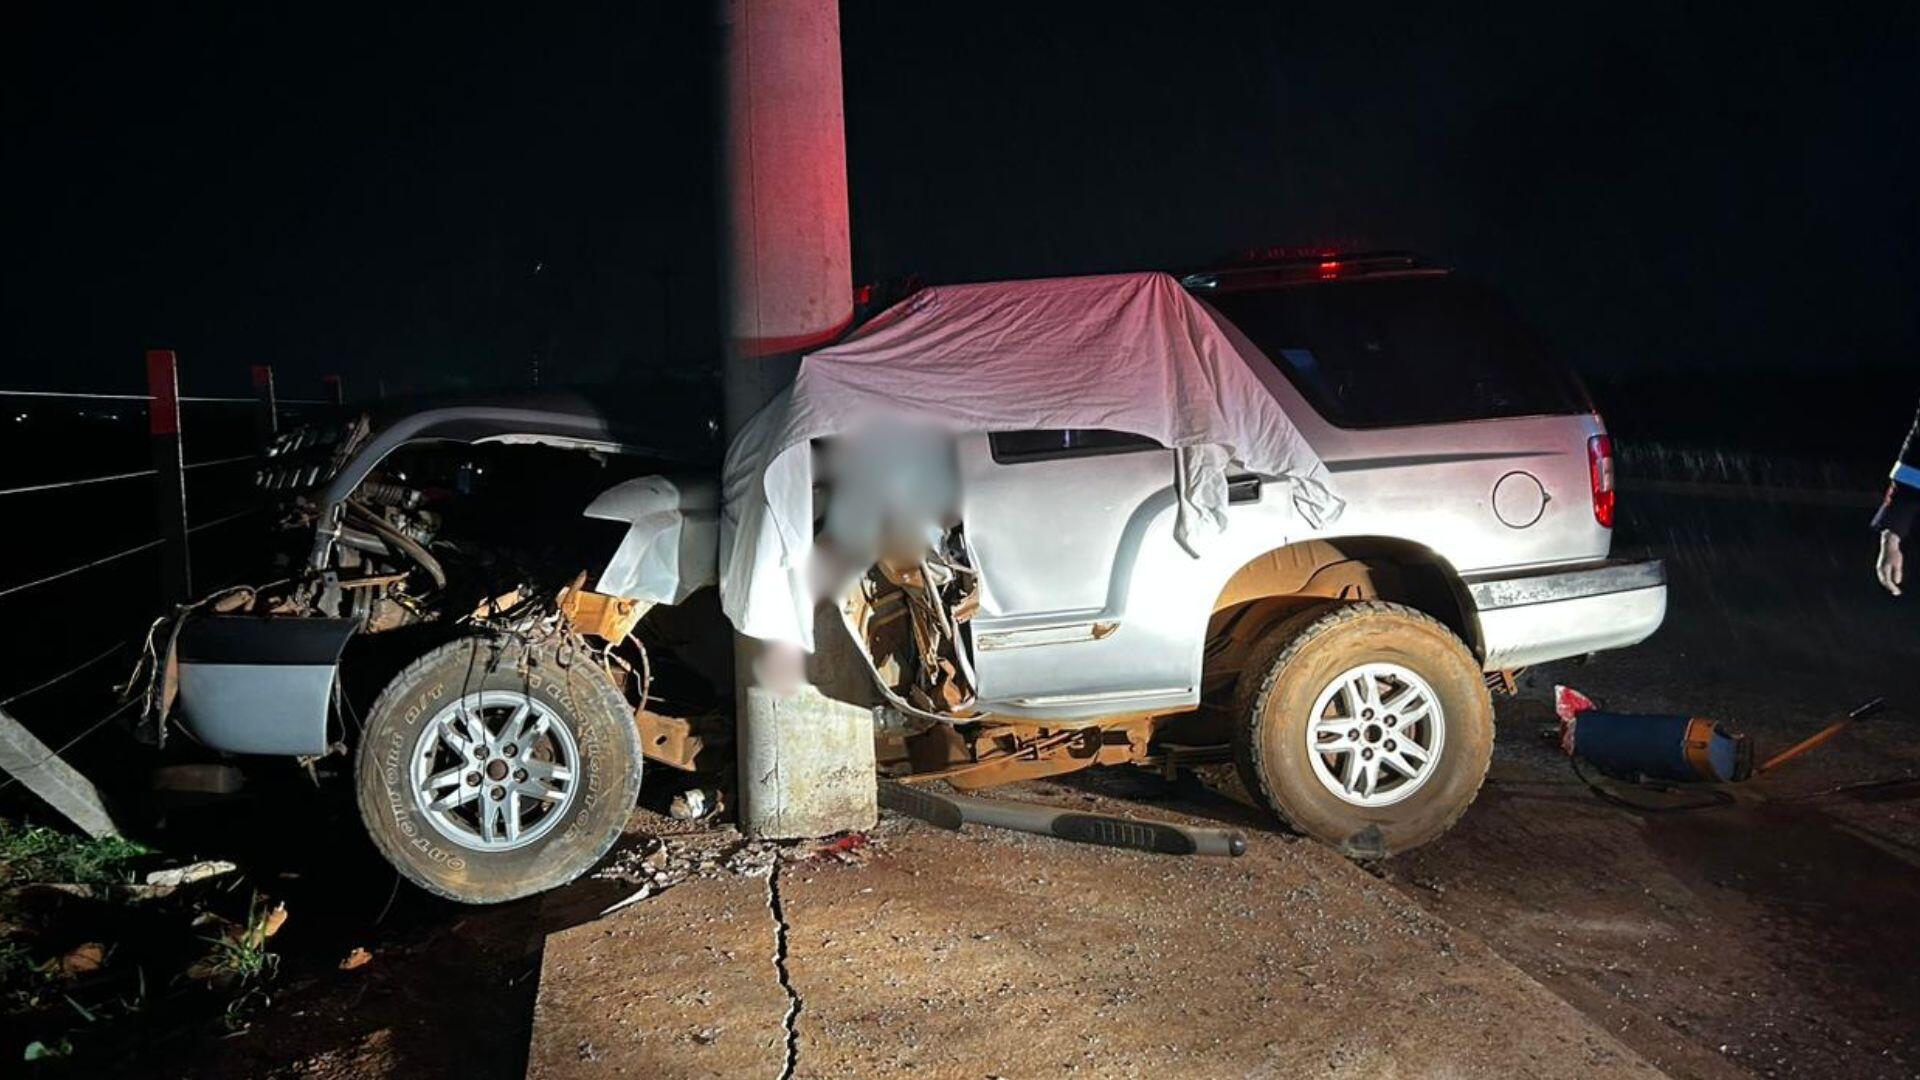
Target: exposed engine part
400,540
381,493
486,541
360,540
912,619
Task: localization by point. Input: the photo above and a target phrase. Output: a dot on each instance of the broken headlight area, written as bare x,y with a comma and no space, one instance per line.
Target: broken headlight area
443,540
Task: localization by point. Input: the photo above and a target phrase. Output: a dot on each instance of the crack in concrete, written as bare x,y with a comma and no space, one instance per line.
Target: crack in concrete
791,1021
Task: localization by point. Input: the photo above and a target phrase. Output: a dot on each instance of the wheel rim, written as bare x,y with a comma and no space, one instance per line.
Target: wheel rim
1375,734
495,770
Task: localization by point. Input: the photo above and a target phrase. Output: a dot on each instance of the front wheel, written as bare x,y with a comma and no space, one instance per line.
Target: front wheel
490,770
1367,726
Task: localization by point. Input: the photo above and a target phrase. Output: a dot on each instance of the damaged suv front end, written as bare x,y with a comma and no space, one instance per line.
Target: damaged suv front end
540,570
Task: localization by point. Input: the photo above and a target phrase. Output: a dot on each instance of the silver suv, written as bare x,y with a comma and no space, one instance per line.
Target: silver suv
526,668
1347,667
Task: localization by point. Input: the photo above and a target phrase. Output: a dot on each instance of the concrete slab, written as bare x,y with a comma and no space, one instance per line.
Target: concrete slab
678,985
995,954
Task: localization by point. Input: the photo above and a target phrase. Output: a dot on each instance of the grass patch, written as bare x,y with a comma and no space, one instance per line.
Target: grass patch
241,953
18,967
34,853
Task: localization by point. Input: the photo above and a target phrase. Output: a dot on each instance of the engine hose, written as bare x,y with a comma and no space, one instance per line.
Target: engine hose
407,545
363,541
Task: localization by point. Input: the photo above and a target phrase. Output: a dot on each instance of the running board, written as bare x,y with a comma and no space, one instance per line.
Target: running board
1159,837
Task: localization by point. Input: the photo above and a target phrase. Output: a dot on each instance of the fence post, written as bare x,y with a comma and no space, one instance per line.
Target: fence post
46,774
266,411
170,475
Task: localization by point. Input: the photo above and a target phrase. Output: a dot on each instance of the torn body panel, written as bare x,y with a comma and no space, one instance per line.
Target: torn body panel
253,685
469,520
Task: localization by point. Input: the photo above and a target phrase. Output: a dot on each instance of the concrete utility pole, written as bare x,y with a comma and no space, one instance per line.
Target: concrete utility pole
805,760
790,264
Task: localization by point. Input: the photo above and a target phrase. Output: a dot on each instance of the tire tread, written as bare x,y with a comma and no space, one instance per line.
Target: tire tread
402,685
1270,659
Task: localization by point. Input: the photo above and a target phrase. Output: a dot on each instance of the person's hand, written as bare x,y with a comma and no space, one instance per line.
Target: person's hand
1889,568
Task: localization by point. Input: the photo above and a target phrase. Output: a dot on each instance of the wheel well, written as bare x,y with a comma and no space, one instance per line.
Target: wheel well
1283,581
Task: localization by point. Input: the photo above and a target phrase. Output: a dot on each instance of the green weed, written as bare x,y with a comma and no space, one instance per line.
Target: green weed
34,853
242,954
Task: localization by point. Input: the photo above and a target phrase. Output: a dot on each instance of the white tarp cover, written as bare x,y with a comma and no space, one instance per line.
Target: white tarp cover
673,533
1126,352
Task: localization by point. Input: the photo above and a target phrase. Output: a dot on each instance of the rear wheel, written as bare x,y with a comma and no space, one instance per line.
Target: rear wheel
1367,726
490,771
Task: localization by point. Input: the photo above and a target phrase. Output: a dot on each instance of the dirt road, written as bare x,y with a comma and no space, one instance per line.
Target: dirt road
986,953
1770,937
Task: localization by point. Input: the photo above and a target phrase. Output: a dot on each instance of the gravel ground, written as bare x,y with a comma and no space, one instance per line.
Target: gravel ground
987,953
1771,937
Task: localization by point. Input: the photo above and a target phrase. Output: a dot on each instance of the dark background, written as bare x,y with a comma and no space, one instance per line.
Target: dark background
448,196
427,197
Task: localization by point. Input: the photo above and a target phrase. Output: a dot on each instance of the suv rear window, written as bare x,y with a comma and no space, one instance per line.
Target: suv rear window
1424,349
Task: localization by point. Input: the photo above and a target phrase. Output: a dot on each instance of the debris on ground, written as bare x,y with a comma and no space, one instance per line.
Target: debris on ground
850,849
187,875
695,804
659,862
82,960
754,860
98,931
645,892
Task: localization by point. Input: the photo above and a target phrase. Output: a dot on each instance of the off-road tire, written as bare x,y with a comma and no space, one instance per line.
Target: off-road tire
609,775
1276,693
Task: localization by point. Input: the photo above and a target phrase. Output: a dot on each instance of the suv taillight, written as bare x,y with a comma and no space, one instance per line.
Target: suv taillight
1600,468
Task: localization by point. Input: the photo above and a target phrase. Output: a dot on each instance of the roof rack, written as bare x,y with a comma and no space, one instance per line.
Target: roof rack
1284,265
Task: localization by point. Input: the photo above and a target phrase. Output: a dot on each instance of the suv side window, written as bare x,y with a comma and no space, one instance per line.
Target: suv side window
1426,349
1049,444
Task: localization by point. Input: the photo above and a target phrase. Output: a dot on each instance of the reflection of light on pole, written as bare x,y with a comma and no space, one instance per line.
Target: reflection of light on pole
805,760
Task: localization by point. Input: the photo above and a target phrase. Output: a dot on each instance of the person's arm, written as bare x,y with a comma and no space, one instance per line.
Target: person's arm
1899,511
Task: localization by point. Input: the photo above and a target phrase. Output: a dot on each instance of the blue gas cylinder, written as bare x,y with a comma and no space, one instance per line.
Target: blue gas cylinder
1632,746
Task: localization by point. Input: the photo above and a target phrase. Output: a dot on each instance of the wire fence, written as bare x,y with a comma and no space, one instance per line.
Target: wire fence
167,475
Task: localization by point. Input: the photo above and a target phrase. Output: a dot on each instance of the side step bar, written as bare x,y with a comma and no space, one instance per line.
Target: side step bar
1159,837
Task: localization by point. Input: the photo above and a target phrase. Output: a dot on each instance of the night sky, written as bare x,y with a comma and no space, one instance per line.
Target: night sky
448,199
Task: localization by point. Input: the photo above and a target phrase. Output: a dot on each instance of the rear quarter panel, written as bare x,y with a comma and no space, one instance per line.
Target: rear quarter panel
1430,485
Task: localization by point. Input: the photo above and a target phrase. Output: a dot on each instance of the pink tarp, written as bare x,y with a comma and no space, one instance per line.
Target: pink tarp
1127,352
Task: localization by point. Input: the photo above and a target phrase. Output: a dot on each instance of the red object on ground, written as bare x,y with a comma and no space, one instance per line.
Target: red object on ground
1568,704
853,841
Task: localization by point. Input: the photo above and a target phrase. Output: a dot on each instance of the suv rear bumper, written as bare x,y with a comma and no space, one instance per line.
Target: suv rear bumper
1554,614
